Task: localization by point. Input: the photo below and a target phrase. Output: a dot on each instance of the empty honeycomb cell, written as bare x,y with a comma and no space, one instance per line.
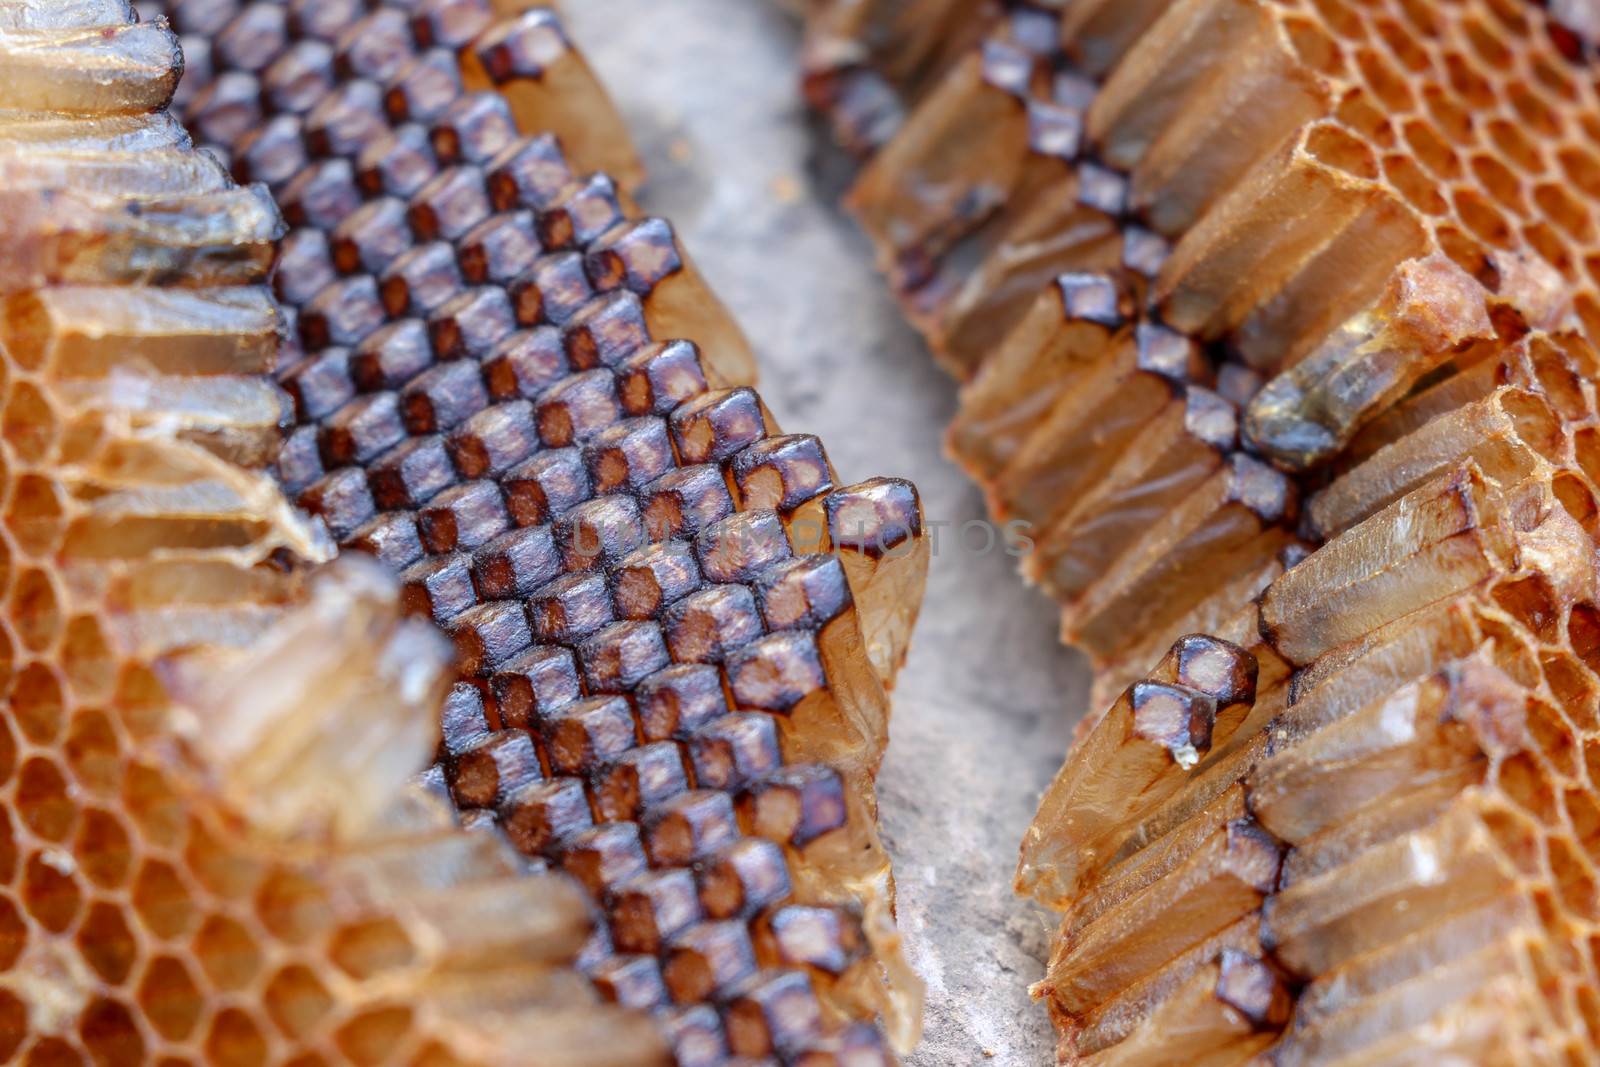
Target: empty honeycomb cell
1313,46
1544,240
163,901
371,948
1334,146
151,801
170,998
110,1033
233,1039
104,849
108,943
1562,208
50,890
291,906
34,514
28,424
87,658
297,1001
52,1052
372,1037
36,699
35,609
1418,189
227,953
43,799
1553,738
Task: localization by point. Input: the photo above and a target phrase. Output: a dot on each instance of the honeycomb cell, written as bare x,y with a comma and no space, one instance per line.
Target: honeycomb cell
50,891
170,998
36,701
87,659
92,752
34,514
28,424
110,1033
154,805
52,1052
372,948
44,800
227,953
219,865
297,1001
372,1037
107,942
163,901
103,849
235,1040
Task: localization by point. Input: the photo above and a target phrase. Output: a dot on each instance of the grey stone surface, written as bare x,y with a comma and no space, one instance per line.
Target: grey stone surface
986,702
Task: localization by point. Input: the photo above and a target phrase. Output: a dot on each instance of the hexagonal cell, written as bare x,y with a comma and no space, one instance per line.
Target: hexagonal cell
292,906
43,801
1527,785
1431,150
235,1040
160,812
36,703
1574,878
366,949
162,900
1533,603
371,1037
1551,248
141,699
1553,737
1519,838
107,942
1473,87
296,1000
35,517
13,932
227,953
50,890
52,1052
103,849
1312,46
87,659
29,424
1582,168
92,752
170,999
1420,191
1497,178
1405,47
35,610
218,866
1386,83
1482,218
1533,110
1565,210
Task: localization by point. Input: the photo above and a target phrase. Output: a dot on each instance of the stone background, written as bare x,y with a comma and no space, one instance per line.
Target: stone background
986,702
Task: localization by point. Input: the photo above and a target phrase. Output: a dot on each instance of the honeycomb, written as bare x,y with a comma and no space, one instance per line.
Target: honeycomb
1236,266
673,631
1356,825
1274,321
191,871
